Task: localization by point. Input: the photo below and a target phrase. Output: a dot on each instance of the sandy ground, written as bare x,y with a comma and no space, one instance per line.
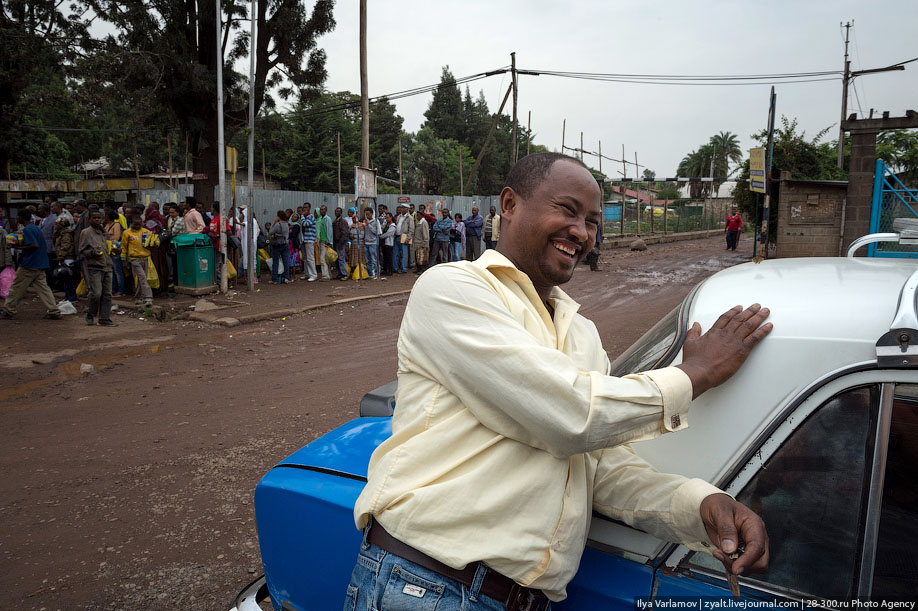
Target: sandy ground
130,487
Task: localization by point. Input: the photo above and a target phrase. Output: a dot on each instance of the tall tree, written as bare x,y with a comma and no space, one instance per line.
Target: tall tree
35,50
169,49
444,114
726,146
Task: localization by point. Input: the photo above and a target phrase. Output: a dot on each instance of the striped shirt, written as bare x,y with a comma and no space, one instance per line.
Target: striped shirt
309,229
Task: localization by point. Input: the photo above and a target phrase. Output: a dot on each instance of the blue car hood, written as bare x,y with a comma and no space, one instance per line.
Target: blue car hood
346,450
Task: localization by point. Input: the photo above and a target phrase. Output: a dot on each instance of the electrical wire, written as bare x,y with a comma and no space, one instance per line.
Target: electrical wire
694,80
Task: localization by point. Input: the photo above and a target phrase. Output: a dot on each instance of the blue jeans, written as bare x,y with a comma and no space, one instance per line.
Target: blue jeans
401,257
278,257
342,261
384,581
117,275
455,247
370,251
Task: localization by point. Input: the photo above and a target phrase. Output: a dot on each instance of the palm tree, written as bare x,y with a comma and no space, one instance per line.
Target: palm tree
696,165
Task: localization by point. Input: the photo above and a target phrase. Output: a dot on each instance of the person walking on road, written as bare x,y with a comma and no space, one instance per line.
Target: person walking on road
31,272
732,228
94,245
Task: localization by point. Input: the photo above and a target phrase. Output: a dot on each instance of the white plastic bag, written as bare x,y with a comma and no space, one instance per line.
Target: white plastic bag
66,307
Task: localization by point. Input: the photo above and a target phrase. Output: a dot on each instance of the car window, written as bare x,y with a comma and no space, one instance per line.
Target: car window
663,340
811,494
895,574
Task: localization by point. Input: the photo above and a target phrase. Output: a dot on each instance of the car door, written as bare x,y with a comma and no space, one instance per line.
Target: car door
834,480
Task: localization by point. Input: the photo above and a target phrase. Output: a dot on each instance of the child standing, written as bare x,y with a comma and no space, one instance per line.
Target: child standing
134,242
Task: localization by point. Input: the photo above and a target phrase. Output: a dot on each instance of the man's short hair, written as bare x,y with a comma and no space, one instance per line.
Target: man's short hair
529,172
24,215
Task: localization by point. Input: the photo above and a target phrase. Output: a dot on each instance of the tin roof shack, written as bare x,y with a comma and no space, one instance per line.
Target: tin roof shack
810,217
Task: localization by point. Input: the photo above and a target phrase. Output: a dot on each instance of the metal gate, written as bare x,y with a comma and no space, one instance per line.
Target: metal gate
891,200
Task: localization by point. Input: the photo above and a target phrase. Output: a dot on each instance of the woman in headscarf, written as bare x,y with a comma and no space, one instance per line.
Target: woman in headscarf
153,219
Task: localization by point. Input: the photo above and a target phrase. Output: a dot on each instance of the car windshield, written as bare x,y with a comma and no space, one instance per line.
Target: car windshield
657,347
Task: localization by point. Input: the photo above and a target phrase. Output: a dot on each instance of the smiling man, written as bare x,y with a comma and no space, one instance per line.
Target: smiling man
509,432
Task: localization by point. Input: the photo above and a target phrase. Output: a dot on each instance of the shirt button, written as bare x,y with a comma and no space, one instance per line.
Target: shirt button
556,545
676,421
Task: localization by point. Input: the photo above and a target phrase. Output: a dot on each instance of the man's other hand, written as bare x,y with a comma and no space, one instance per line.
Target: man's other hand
729,524
710,359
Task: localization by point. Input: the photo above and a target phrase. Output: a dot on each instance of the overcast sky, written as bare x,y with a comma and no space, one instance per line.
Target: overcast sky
410,41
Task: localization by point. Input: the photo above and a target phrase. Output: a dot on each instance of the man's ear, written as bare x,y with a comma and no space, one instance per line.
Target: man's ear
509,200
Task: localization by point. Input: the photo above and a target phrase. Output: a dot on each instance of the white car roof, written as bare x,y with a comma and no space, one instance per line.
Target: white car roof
827,313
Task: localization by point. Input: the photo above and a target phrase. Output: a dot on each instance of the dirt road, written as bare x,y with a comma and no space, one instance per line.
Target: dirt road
130,487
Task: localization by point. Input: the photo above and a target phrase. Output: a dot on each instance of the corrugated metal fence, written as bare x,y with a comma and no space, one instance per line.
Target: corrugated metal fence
268,202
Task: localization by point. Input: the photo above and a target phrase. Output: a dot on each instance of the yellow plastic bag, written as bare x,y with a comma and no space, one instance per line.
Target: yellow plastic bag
230,270
81,289
263,255
331,257
353,272
152,276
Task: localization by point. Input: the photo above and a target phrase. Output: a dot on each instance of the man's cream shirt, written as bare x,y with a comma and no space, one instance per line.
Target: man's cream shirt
508,431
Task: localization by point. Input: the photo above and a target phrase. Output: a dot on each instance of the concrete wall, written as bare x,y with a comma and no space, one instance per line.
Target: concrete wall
809,218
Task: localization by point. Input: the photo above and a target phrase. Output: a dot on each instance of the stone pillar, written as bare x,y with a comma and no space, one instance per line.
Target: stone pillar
860,185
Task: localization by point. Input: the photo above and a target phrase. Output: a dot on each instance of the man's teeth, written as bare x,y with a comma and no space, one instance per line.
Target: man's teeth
564,248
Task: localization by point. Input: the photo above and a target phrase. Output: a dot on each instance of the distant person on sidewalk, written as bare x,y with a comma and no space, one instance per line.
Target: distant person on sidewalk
340,236
136,256
194,222
420,245
308,222
441,231
732,228
66,257
94,243
31,270
278,238
371,232
325,234
457,238
404,235
492,228
473,227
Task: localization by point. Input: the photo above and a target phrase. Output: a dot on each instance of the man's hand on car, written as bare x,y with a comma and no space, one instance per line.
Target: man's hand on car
710,359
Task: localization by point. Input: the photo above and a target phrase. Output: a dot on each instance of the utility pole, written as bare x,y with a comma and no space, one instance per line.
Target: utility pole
600,156
581,146
528,133
249,231
221,148
624,175
844,108
563,132
461,190
364,92
339,162
400,191
515,150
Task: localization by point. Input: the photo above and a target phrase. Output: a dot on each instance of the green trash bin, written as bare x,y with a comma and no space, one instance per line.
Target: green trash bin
195,259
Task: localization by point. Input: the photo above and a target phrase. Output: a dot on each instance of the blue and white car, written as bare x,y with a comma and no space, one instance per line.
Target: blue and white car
818,433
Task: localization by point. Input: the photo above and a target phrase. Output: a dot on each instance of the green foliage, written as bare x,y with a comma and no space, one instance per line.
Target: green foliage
899,149
445,112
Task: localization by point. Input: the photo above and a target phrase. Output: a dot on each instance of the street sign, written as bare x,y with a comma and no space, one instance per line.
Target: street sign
404,199
757,170
364,182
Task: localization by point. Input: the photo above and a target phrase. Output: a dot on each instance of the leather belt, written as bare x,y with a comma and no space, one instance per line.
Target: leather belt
494,585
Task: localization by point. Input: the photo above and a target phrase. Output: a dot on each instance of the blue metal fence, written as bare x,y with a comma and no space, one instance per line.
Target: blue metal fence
891,200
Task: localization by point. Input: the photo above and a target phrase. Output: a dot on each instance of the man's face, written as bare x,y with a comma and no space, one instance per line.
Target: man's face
411,209
493,211
549,232
95,219
307,209
323,210
421,208
474,210
368,214
135,223
56,208
337,213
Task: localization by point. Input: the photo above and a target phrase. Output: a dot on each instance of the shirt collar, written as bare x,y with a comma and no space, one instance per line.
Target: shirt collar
491,259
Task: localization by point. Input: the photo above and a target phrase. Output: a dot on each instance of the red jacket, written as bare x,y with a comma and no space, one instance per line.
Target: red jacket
734,223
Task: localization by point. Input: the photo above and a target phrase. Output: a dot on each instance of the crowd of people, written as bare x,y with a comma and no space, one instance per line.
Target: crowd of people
100,251
107,250
314,244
